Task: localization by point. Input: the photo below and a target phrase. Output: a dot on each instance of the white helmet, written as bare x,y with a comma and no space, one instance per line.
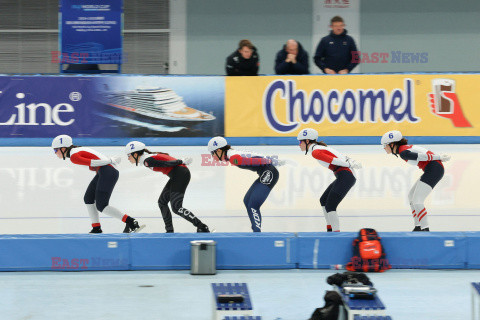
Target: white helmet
310,134
62,141
391,136
216,143
134,146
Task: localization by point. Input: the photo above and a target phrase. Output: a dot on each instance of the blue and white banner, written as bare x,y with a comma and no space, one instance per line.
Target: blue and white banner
91,31
111,106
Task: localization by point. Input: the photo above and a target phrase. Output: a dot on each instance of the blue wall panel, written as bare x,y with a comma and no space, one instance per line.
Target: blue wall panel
68,252
442,250
234,250
257,251
473,250
80,252
322,250
433,250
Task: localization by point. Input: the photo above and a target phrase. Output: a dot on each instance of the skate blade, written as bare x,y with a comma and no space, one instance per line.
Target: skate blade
140,229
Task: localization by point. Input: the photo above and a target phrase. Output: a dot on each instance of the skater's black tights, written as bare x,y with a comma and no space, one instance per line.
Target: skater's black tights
101,187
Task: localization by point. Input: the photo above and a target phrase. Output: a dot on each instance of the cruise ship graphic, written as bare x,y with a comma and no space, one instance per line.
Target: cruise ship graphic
153,105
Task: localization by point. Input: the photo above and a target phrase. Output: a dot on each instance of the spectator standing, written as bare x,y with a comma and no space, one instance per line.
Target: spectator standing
334,52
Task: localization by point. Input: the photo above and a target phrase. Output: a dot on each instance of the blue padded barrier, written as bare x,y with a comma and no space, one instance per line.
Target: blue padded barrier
433,250
234,250
426,250
473,252
64,252
324,249
78,252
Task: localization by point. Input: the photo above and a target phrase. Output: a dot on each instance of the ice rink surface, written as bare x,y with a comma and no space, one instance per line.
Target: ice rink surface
43,194
176,295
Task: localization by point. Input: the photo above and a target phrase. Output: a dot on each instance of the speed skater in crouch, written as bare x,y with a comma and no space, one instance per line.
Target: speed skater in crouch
341,166
264,167
394,143
174,190
100,189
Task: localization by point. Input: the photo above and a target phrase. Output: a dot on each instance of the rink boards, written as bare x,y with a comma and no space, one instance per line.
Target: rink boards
74,252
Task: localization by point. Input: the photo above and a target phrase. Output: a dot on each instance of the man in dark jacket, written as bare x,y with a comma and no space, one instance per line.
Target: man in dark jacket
334,52
292,59
244,61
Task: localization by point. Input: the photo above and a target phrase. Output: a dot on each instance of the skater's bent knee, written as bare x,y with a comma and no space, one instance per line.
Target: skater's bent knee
162,202
330,207
101,205
417,203
323,201
89,200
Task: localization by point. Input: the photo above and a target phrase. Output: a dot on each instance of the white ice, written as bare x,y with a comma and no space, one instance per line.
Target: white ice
176,295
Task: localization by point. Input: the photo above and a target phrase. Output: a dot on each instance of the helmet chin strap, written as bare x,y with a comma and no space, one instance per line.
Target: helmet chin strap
393,150
221,155
64,154
307,145
136,158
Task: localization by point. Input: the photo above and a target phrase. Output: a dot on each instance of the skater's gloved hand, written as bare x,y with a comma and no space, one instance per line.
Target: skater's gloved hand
444,157
186,161
354,164
115,160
